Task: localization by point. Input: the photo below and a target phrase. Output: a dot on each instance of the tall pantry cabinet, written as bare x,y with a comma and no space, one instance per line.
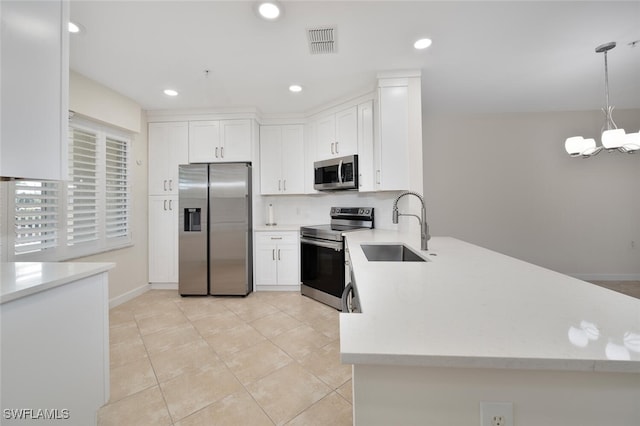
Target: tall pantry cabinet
168,148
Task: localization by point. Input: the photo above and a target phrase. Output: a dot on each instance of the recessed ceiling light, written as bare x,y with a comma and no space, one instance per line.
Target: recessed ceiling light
423,43
73,27
295,88
269,10
170,92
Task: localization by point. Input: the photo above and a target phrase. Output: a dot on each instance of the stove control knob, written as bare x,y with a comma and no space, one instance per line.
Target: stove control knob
361,211
366,211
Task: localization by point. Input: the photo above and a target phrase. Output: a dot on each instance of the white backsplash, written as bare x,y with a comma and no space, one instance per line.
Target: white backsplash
313,209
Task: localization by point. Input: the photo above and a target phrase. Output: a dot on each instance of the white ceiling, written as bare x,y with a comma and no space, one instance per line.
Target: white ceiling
486,56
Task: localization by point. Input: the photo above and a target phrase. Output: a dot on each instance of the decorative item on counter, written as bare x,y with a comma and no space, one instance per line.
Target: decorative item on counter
270,220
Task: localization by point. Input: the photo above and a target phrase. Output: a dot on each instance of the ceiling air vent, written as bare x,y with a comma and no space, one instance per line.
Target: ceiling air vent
322,40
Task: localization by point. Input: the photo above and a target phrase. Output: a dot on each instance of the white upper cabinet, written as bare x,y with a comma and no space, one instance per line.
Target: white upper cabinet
366,165
392,150
337,134
218,141
35,89
281,159
167,149
204,141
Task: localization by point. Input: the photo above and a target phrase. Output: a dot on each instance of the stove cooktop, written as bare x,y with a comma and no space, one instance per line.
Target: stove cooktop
343,219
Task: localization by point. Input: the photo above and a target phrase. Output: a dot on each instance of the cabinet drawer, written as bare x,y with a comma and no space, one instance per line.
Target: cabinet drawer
277,238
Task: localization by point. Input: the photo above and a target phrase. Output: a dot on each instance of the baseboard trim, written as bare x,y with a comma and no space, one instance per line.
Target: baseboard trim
277,288
163,286
132,294
607,277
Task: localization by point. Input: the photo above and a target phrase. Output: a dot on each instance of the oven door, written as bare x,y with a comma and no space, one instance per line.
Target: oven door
322,265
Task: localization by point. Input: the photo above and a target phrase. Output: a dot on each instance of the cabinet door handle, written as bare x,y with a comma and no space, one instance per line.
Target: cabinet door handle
337,152
284,184
222,151
279,182
378,177
216,152
164,184
273,254
276,238
332,148
165,204
278,254
170,204
170,184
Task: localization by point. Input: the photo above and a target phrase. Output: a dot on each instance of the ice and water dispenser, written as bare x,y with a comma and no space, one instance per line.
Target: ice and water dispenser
192,221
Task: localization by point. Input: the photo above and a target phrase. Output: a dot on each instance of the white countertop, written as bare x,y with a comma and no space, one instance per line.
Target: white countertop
21,279
277,227
472,307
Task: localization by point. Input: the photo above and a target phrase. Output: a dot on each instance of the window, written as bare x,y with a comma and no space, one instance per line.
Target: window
89,213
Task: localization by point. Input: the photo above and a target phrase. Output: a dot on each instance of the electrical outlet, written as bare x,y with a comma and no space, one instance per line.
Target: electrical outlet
496,414
498,421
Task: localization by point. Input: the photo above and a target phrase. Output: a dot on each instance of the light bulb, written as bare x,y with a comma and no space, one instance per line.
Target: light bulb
423,43
269,10
613,138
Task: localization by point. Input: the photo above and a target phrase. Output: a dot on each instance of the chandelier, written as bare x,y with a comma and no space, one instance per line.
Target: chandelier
613,139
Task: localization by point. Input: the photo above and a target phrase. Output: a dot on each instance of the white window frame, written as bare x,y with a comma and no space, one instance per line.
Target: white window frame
63,251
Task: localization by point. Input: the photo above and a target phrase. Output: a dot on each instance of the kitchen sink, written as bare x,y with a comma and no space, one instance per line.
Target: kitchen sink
390,253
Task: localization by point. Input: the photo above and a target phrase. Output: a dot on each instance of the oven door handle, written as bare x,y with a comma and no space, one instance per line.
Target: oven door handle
345,298
337,246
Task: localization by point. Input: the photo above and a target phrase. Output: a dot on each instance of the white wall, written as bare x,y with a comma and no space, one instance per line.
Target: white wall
505,182
129,277
103,104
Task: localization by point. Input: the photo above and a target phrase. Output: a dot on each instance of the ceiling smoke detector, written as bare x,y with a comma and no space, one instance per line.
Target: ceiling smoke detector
322,40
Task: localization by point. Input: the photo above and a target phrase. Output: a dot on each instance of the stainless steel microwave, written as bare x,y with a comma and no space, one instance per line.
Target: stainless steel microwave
336,173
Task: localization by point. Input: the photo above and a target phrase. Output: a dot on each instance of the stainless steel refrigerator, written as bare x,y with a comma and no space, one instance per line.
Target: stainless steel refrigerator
215,235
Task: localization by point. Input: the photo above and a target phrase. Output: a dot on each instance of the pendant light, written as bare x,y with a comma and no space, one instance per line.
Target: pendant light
613,139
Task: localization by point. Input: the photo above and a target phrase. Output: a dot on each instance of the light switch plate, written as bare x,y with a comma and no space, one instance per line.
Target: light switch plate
496,413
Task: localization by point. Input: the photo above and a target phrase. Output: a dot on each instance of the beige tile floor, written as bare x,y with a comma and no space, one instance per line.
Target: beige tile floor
270,358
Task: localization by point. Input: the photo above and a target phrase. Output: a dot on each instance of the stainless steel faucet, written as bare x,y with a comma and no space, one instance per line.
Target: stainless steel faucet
424,227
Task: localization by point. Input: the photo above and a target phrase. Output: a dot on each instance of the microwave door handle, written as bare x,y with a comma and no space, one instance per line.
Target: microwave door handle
340,171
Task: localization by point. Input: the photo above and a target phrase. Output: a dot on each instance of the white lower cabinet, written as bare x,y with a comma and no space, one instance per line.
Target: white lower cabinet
277,260
163,239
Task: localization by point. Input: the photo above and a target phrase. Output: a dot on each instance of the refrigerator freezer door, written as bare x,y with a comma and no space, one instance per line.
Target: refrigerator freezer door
230,263
192,241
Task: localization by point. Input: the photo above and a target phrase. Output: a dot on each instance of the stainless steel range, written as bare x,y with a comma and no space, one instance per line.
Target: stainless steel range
322,253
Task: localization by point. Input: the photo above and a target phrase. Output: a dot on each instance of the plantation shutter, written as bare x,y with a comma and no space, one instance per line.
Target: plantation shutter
36,216
117,200
82,191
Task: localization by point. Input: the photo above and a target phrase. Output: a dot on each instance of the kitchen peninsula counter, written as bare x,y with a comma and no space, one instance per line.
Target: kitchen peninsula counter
471,324
20,279
54,326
